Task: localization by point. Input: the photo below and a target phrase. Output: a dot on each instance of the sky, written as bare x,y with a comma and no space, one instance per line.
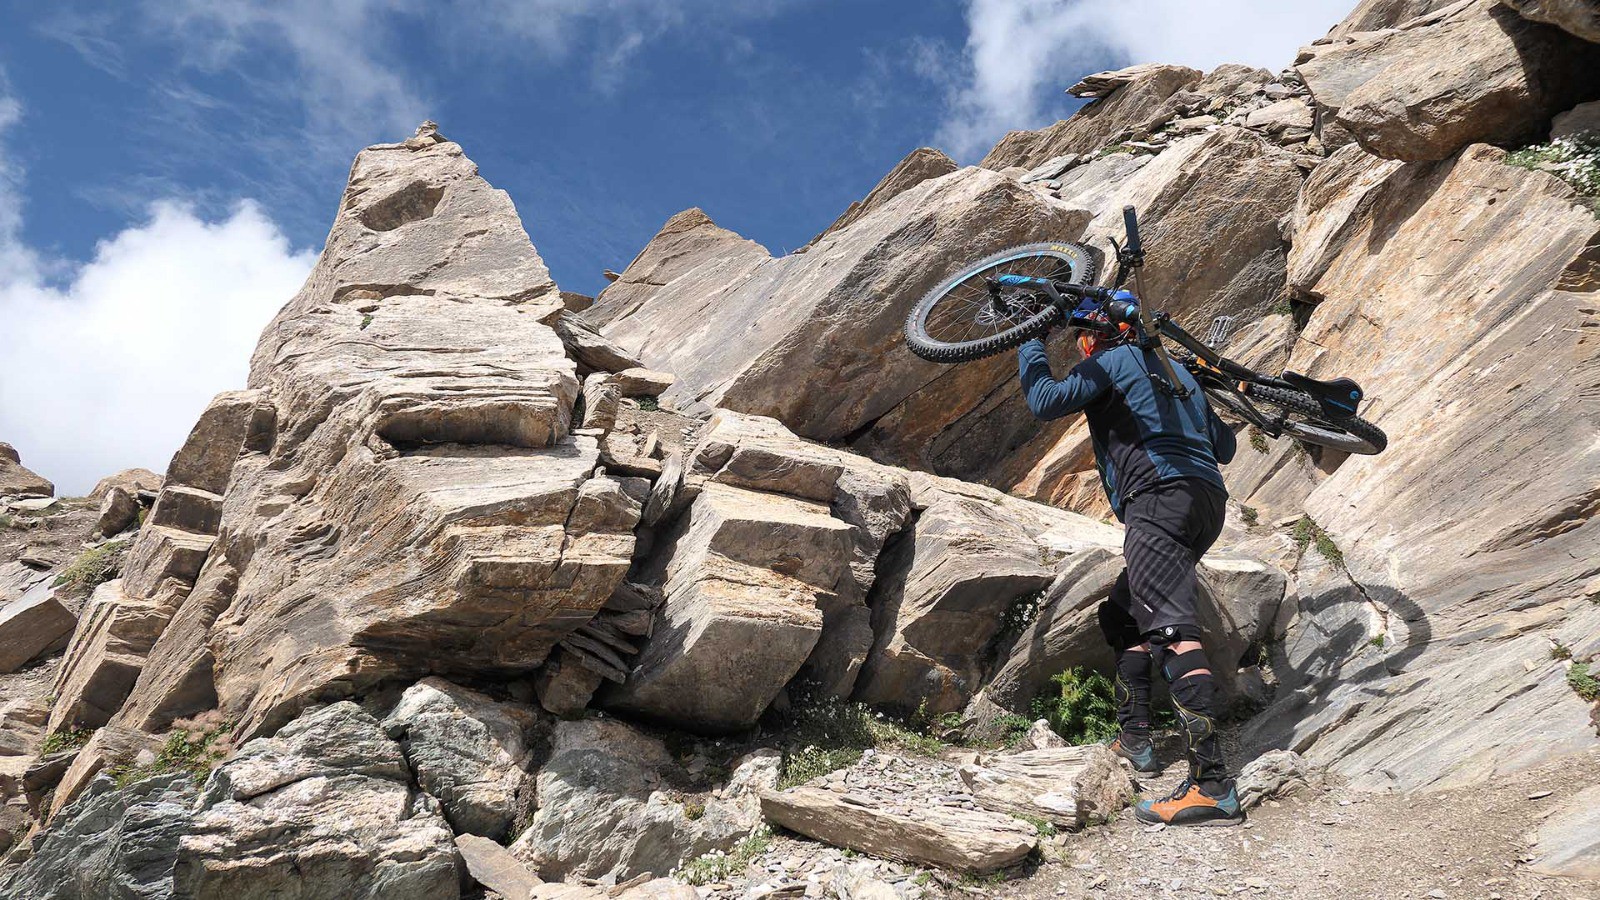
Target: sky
169,168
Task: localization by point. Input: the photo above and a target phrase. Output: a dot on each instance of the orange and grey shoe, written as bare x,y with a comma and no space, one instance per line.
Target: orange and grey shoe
1189,805
1139,751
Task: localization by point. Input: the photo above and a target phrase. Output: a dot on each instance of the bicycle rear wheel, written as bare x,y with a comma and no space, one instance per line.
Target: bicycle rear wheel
1304,419
959,321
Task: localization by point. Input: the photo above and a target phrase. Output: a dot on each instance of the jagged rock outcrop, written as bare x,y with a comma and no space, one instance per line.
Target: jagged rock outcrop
1123,101
411,405
18,482
741,329
1469,72
918,166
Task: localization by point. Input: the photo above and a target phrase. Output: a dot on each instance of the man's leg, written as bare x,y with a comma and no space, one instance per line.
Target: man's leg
1132,685
1160,547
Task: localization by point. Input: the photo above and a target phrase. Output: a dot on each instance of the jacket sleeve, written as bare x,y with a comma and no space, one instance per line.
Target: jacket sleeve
1223,443
1052,399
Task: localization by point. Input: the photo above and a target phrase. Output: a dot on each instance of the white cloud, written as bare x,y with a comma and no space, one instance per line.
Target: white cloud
1019,53
106,365
349,95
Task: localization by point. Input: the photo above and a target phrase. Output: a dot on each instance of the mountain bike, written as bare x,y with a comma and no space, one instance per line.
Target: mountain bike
1018,294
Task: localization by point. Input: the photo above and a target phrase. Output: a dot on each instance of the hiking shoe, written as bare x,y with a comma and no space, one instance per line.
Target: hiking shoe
1140,752
1189,805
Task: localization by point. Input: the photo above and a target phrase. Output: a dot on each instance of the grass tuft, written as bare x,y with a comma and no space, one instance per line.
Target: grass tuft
1583,682
1307,532
94,567
1560,651
65,739
649,404
1250,515
825,734
194,746
1258,440
719,866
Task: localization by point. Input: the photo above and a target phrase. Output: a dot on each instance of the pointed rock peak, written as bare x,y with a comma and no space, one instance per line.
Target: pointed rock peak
427,135
688,220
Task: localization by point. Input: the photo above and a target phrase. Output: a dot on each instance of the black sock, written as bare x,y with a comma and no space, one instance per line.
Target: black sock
1194,697
1132,692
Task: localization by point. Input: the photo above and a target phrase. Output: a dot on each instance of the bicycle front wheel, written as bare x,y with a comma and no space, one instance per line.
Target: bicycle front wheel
960,321
1303,419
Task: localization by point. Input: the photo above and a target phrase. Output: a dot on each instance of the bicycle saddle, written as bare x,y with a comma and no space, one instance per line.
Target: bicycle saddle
1338,397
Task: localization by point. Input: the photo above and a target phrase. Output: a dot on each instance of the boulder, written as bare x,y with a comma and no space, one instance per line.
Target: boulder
16,481
114,634
1470,72
744,582
1577,17
206,458
1069,786
113,842
831,319
565,685
119,510
1376,15
134,481
1125,103
35,624
470,753
918,166
1277,773
324,808
604,811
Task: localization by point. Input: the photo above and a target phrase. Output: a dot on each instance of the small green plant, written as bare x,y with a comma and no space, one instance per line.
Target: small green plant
1282,308
65,739
94,567
1307,532
1559,650
1583,682
694,810
1250,515
923,879
1258,440
848,853
719,866
1019,615
1080,708
1575,160
194,746
1379,640
365,321
649,404
824,734
7,521
1045,827
1012,729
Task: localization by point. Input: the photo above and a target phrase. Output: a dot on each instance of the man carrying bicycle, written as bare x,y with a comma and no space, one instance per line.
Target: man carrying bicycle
1158,452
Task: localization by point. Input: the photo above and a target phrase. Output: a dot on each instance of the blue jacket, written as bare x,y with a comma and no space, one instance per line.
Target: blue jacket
1142,437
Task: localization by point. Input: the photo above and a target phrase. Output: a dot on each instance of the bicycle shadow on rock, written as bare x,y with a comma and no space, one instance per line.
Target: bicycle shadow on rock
1333,663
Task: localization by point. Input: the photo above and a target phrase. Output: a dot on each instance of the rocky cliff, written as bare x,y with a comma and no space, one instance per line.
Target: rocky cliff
476,590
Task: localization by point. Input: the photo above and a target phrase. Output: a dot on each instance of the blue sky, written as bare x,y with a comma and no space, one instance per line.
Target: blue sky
168,168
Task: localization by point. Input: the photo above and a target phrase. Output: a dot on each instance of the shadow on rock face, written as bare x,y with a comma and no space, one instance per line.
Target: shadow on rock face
1349,640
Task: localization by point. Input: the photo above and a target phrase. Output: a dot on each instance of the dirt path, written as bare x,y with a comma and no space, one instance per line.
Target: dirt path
1327,845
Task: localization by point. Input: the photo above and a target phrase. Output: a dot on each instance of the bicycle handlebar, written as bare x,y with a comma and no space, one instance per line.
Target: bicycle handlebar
1130,225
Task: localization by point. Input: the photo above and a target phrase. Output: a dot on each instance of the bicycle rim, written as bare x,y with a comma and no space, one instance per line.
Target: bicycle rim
959,321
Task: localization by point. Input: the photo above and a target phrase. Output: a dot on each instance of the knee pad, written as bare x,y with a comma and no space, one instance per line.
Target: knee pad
1194,700
1120,631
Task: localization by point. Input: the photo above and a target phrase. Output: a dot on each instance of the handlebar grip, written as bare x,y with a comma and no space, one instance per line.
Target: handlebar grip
1130,224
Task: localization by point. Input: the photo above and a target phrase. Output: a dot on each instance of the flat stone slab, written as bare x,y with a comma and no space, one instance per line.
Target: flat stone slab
908,810
1070,786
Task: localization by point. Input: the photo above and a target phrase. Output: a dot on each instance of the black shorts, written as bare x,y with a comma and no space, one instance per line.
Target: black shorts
1169,527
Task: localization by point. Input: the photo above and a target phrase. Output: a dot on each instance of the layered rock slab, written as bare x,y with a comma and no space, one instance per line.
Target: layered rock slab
741,330
18,482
